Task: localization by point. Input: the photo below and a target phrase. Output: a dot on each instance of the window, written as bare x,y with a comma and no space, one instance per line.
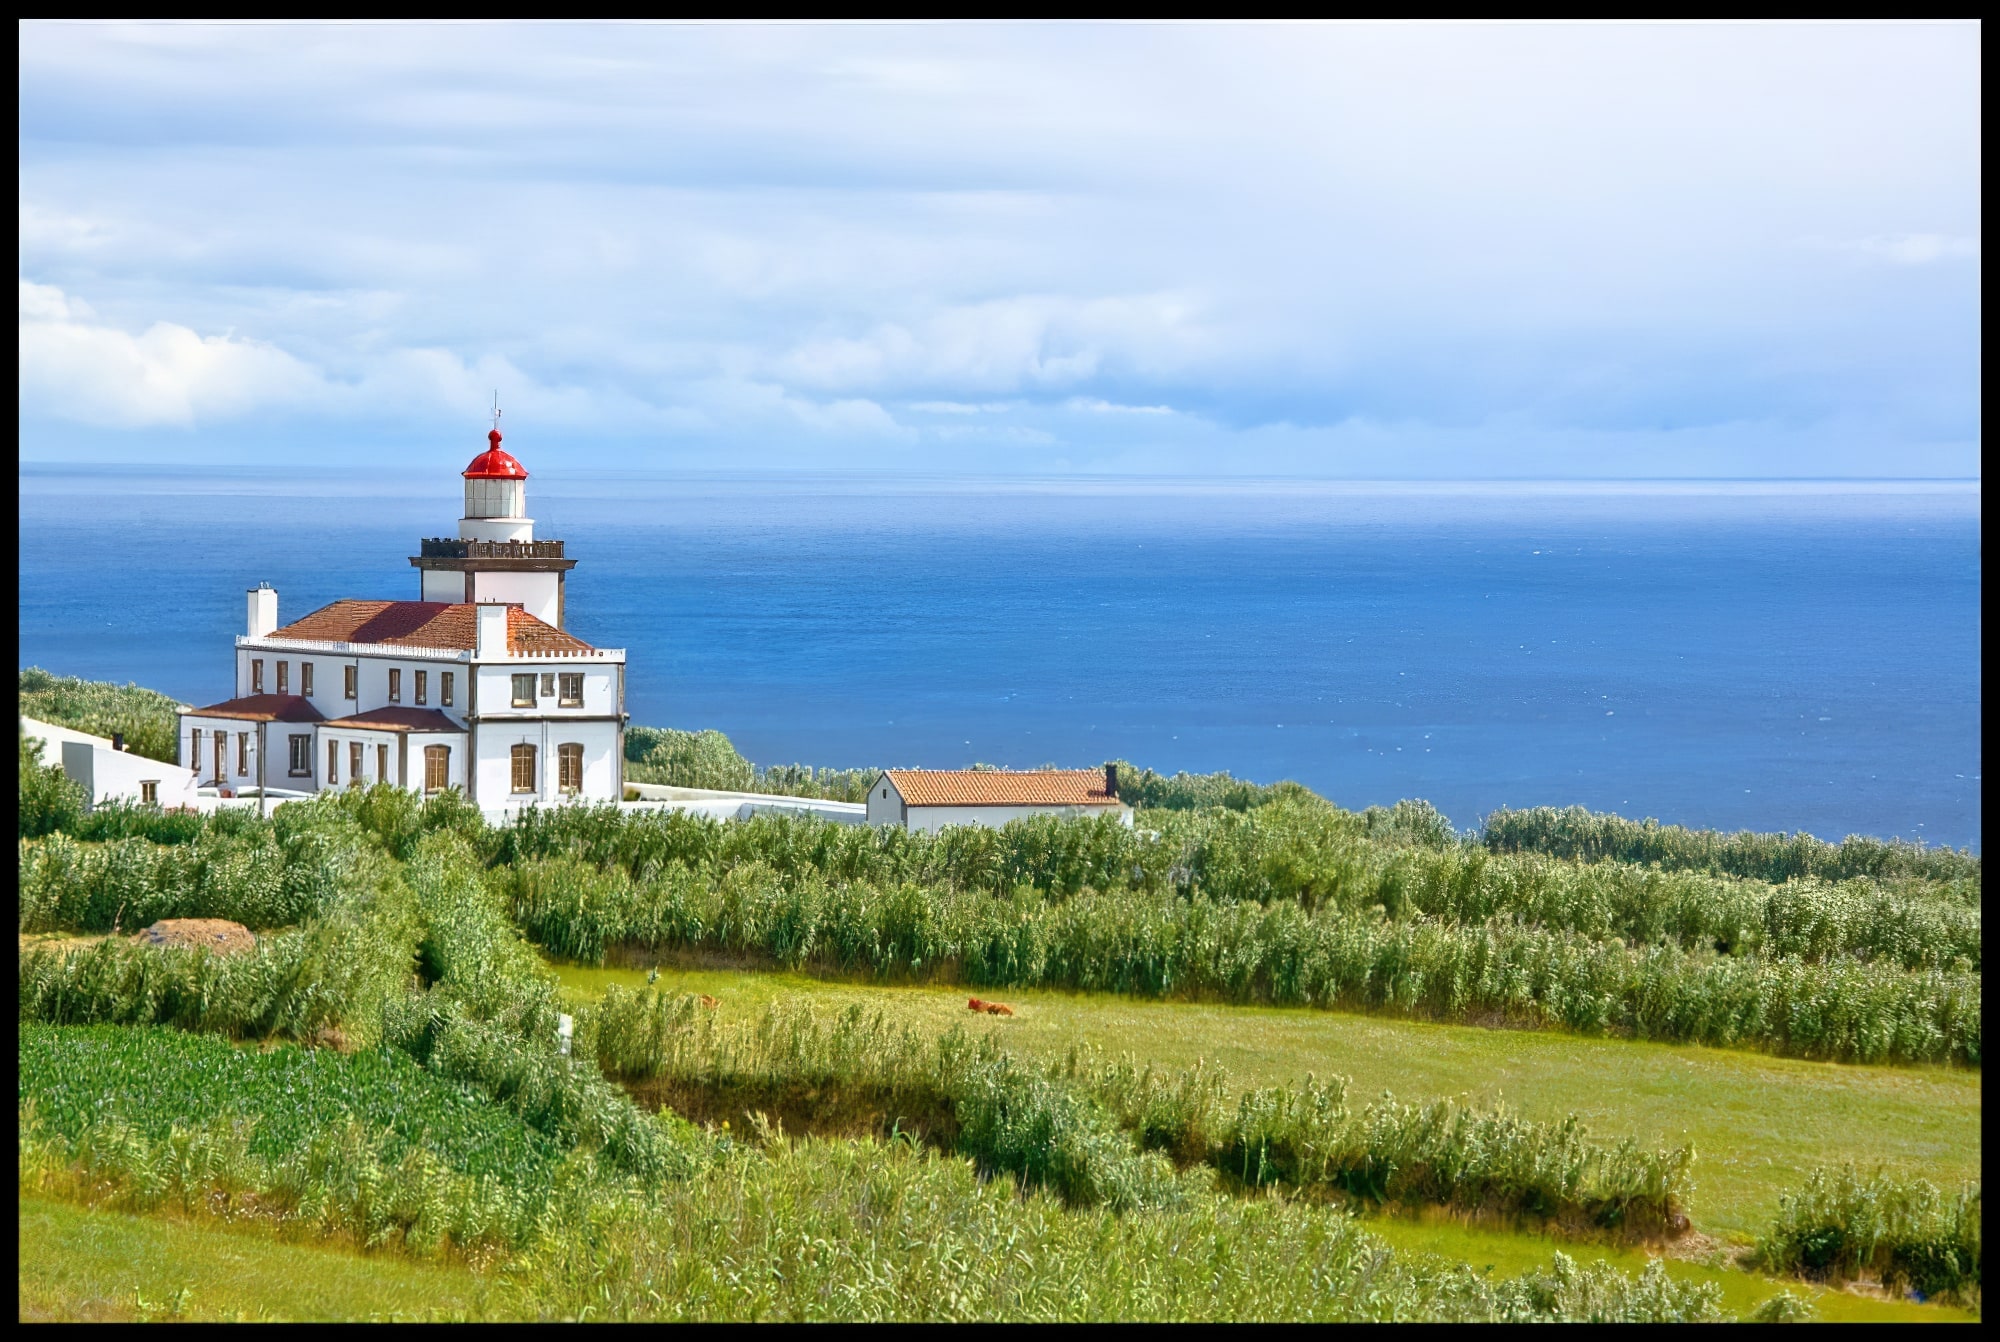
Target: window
332,763
524,691
351,675
572,689
149,792
548,684
437,767
423,686
353,764
301,762
524,768
569,767
284,677
194,750
305,678
885,794
395,687
221,748
256,675
242,752
381,764
444,688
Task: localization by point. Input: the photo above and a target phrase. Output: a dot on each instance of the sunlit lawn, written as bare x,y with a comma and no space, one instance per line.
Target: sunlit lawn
78,1264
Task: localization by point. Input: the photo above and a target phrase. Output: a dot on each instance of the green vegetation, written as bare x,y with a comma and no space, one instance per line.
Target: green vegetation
146,718
1057,1126
49,801
155,1079
384,1071
103,1266
1902,1232
708,760
1593,836
854,1230
1161,943
1755,1119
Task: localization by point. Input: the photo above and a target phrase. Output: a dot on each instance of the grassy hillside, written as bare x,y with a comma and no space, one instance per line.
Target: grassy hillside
146,717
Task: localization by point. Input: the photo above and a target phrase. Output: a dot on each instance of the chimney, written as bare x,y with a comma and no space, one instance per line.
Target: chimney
1111,780
490,644
117,740
263,610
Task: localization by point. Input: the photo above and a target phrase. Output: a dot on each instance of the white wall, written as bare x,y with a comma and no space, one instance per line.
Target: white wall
535,591
203,768
496,529
406,756
885,810
495,764
496,688
118,775
937,817
442,585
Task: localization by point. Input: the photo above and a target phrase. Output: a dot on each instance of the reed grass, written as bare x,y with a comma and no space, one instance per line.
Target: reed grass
1905,1233
1596,836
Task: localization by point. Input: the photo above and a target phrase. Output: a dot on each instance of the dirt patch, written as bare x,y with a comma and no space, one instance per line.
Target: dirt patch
215,934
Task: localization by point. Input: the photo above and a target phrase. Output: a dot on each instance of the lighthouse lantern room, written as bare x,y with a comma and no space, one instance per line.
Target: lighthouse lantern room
495,556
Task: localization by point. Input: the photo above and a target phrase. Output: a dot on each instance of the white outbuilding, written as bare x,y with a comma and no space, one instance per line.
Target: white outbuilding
108,772
930,799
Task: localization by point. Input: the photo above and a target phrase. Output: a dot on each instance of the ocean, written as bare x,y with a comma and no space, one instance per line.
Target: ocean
1763,656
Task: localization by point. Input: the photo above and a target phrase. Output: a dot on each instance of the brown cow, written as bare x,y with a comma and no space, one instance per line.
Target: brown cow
999,1009
974,1004
710,1002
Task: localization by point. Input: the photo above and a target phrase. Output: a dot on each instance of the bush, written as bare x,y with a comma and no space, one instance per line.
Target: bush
685,759
49,800
1905,1232
1592,836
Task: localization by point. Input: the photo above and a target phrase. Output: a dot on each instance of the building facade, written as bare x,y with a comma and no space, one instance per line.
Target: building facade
476,686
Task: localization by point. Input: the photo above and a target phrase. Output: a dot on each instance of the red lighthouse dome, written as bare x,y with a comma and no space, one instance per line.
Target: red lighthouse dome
493,464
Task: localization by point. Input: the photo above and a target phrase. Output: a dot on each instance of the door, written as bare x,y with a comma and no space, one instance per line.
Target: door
221,756
381,764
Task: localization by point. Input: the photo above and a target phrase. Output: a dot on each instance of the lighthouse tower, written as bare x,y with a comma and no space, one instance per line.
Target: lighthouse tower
495,556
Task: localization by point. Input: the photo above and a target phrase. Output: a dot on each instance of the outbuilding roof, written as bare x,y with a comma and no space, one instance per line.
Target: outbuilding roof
425,624
262,708
397,720
998,787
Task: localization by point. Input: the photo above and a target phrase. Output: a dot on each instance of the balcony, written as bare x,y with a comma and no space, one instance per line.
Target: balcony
438,547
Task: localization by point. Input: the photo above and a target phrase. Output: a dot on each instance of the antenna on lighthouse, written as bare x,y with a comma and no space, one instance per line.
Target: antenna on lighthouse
496,410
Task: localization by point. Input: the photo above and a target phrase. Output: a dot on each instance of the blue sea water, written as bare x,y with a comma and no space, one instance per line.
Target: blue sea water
1770,657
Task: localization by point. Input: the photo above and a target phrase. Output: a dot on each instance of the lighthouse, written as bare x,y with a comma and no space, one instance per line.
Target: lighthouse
495,556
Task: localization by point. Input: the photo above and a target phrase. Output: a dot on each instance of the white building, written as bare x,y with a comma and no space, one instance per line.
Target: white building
107,771
930,799
476,686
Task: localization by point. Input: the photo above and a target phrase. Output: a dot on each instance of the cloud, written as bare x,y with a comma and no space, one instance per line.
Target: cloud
1906,249
722,240
74,368
1091,405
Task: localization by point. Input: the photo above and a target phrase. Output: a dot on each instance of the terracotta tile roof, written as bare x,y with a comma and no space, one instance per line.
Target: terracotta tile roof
994,787
262,708
425,624
398,720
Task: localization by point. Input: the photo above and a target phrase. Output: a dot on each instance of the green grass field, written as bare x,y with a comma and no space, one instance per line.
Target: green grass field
82,1265
1758,1122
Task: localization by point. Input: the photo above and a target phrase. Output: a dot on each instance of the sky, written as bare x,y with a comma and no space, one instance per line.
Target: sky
1350,251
